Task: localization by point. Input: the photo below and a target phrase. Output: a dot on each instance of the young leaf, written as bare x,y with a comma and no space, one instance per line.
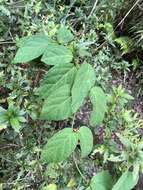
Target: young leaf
15,124
84,81
98,99
60,146
64,35
56,54
56,77
101,181
31,48
126,181
86,141
57,106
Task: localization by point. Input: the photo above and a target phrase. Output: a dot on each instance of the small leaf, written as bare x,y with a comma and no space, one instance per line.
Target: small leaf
15,124
101,181
60,146
71,183
57,106
31,48
56,77
86,141
56,54
64,35
98,99
84,81
126,182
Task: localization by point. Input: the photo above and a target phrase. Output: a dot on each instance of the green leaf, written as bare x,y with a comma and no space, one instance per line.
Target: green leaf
15,124
98,99
56,77
60,146
86,141
57,54
31,48
126,181
64,35
101,181
57,106
84,81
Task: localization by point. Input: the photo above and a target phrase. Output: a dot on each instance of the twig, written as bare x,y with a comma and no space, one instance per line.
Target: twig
79,171
9,145
136,3
94,6
7,42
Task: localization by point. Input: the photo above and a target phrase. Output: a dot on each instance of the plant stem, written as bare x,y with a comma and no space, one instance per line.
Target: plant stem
79,171
94,6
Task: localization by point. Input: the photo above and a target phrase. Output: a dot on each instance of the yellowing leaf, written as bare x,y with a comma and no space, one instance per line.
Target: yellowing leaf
71,183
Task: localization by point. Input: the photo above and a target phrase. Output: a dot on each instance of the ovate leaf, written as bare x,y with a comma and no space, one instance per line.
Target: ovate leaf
64,35
84,81
60,146
57,106
31,48
126,181
57,54
101,181
86,141
98,100
56,77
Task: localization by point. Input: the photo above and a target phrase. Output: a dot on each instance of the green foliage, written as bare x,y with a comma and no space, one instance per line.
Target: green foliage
31,48
102,181
34,46
56,77
64,35
57,105
13,117
57,54
126,180
63,143
73,41
98,99
60,146
84,81
86,141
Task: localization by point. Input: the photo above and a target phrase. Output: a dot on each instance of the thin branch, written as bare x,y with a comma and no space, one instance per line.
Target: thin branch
126,15
93,9
7,42
79,171
136,3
